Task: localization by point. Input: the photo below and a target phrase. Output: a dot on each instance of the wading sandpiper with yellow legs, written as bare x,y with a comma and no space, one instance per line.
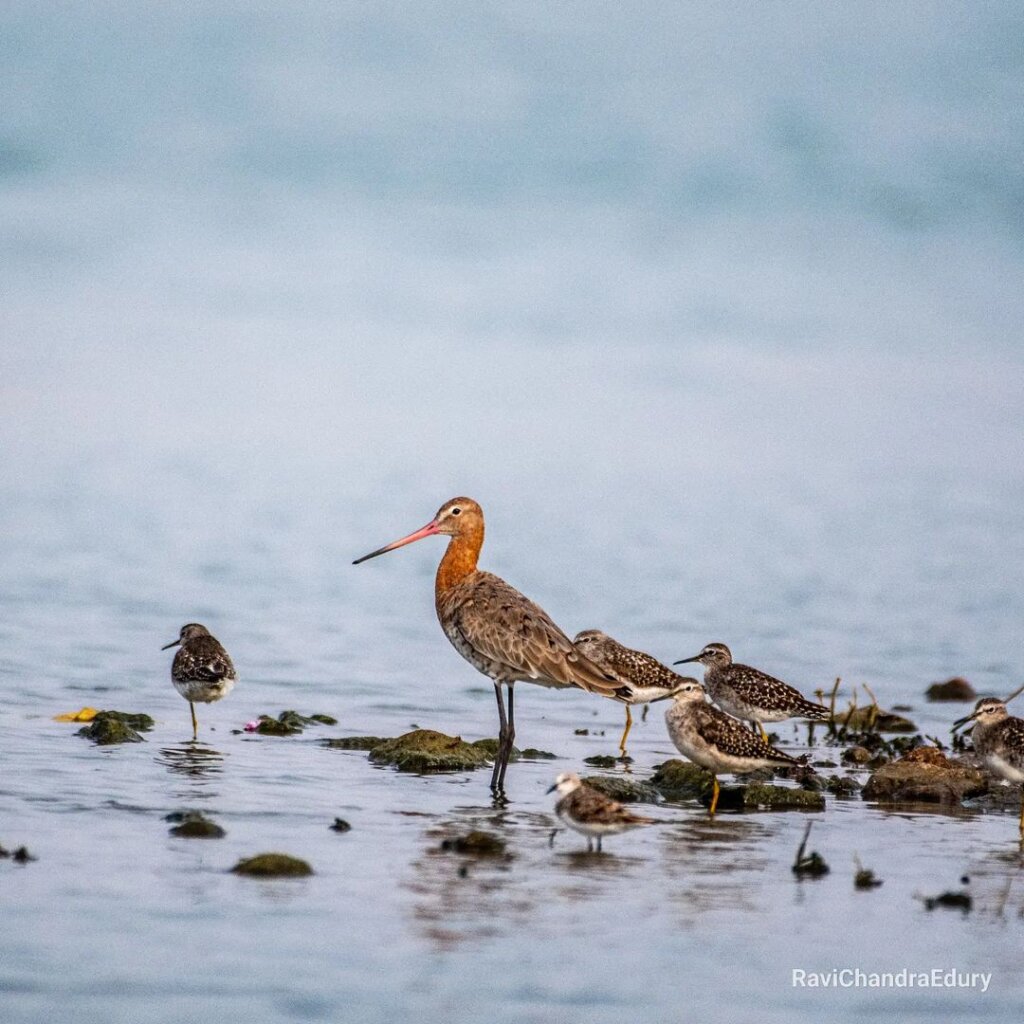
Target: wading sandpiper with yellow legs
750,694
998,739
644,679
716,741
201,671
499,631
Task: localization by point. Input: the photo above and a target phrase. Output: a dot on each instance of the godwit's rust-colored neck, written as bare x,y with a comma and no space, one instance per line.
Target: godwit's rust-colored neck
461,557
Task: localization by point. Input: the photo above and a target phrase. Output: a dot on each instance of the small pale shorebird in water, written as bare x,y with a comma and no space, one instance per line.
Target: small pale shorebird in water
201,671
998,739
590,812
751,694
496,629
716,741
644,679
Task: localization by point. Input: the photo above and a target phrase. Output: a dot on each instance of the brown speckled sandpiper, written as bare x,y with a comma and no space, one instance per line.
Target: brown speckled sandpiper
201,671
590,812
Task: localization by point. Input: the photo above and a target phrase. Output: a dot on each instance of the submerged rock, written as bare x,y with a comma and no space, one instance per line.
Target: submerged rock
476,843
194,825
273,865
842,785
925,778
354,742
623,789
533,754
955,689
424,750
288,723
601,761
953,900
116,727
340,825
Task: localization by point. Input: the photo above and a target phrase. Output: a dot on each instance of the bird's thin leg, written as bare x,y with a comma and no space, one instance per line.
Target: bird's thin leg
510,735
598,844
629,725
1022,817
195,724
643,716
714,795
590,845
502,729
759,729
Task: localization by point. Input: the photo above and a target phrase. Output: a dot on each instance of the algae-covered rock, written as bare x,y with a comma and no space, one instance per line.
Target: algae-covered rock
956,689
936,780
117,727
842,785
289,723
601,761
476,843
354,742
533,754
194,825
761,796
424,750
489,746
681,780
623,789
272,865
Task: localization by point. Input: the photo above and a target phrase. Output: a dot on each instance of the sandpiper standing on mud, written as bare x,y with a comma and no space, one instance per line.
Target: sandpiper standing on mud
201,671
716,741
998,739
751,694
643,678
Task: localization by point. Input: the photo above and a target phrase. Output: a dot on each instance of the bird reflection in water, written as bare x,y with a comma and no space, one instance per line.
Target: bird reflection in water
196,761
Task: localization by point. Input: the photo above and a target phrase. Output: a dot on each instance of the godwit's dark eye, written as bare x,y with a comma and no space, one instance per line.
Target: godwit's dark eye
456,511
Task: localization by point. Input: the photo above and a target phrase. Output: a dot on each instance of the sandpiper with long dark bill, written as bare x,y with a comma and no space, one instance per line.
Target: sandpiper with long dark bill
751,694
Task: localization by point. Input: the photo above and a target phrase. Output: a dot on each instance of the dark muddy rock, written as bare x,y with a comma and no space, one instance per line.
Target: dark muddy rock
354,742
872,719
856,755
476,843
340,825
533,754
194,825
289,723
273,865
824,764
424,750
951,900
623,789
930,778
864,878
808,865
116,727
955,689
681,780
19,856
843,785
600,761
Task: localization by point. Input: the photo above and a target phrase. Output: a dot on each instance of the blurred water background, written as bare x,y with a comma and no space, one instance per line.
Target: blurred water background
714,307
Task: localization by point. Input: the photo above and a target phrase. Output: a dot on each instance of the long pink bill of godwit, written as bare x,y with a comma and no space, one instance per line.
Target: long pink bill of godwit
499,631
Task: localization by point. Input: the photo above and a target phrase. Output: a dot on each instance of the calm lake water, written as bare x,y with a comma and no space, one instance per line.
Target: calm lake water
717,313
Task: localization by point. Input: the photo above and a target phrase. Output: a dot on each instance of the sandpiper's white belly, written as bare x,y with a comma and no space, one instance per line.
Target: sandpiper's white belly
198,691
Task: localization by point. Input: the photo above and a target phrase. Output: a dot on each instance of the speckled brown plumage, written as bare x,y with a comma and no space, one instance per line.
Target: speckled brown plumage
590,812
999,741
642,677
749,693
202,671
716,741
